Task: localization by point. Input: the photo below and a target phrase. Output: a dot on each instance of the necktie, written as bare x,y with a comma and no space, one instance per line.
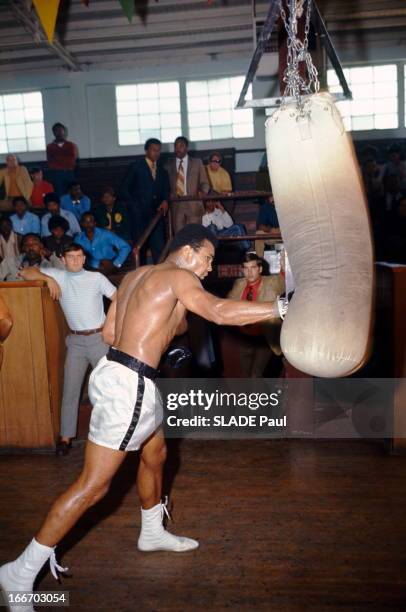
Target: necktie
180,180
153,170
250,294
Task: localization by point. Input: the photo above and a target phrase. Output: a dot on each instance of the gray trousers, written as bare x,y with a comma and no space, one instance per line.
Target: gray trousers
82,351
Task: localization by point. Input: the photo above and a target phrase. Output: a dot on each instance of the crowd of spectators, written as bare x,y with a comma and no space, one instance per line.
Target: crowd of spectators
51,204
65,231
61,213
385,187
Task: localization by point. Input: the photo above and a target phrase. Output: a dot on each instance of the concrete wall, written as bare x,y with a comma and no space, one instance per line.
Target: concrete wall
85,102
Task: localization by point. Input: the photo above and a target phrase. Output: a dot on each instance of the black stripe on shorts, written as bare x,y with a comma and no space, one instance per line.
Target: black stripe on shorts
136,413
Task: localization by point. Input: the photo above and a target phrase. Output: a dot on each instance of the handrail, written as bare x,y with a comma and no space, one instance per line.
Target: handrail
233,195
165,250
271,238
144,237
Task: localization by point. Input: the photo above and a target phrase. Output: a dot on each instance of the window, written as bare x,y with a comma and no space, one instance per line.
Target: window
21,123
211,112
375,97
405,90
148,110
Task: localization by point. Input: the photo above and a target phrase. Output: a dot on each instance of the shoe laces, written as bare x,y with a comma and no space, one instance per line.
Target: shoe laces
55,568
164,509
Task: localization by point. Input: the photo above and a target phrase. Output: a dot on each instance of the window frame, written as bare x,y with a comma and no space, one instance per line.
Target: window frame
25,122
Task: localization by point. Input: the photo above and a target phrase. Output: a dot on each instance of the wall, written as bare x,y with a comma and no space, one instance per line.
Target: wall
85,102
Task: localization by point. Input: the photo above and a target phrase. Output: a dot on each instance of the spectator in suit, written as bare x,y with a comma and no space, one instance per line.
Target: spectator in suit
187,176
146,191
58,240
40,188
24,222
112,215
75,201
104,250
61,156
8,239
17,181
52,204
260,340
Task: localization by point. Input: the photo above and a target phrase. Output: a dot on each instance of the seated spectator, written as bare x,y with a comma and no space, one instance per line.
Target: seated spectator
24,222
220,223
8,239
53,207
260,340
75,201
40,189
219,178
61,156
267,223
373,178
104,250
113,215
58,240
396,166
393,192
32,254
16,179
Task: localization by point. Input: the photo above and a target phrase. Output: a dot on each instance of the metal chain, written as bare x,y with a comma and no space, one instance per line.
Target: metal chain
296,85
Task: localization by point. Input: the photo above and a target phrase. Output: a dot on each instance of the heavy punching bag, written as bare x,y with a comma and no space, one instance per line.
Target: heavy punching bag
325,227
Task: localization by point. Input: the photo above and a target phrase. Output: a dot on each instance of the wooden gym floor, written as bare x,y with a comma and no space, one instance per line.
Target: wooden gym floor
284,526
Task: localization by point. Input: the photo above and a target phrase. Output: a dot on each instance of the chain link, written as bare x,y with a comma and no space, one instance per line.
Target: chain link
296,85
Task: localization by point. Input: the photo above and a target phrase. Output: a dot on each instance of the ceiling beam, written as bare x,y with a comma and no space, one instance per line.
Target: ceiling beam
31,24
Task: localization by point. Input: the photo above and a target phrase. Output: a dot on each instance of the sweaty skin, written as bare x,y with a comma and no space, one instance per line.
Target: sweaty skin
149,310
6,324
152,303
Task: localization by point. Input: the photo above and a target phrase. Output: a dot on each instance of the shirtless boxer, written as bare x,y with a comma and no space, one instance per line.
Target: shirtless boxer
149,311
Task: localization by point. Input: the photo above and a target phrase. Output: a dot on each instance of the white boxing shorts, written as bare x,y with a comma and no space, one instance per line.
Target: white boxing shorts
127,405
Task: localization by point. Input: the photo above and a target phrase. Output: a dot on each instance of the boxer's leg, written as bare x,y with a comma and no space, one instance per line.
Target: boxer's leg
99,468
153,536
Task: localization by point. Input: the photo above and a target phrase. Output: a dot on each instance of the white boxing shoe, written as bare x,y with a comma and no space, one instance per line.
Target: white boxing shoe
154,536
19,575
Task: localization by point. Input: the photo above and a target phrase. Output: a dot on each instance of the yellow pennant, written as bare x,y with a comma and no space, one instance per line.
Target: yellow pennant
47,11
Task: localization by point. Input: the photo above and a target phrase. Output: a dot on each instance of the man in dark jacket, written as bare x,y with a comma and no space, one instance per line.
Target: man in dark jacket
146,191
113,215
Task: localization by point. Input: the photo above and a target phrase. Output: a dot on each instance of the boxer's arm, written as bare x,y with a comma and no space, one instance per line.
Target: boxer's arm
191,294
6,321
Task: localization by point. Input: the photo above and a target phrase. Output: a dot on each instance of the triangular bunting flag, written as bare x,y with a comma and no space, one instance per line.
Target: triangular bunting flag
47,11
128,8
